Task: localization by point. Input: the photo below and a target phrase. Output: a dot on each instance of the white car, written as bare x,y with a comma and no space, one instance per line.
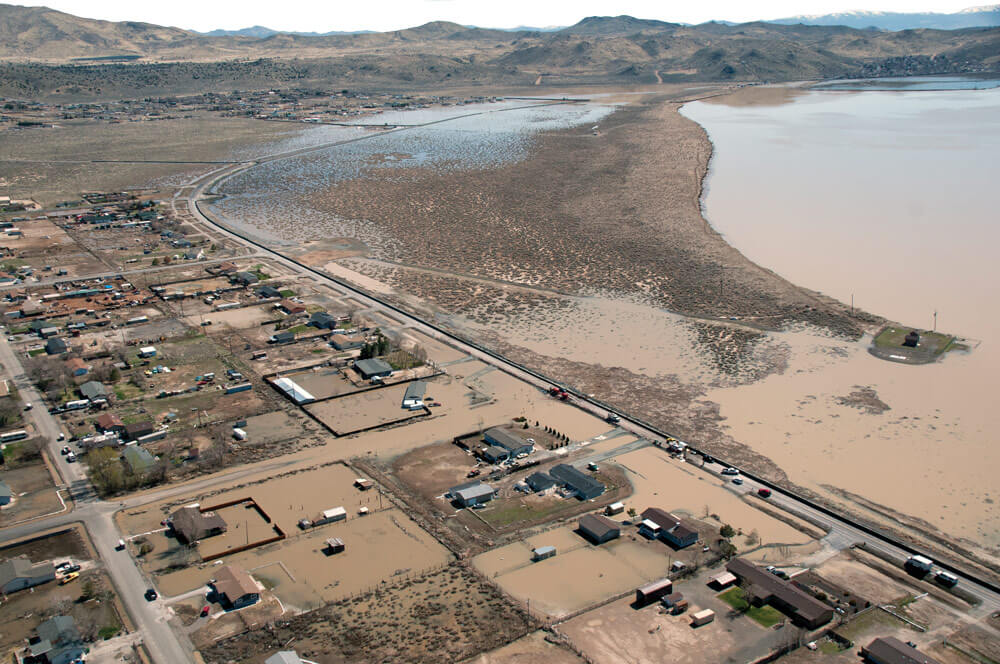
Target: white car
730,471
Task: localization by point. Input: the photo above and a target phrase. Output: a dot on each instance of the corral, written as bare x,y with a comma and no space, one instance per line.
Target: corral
367,410
579,576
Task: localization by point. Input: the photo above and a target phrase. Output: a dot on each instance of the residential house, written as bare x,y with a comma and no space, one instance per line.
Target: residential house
77,366
235,588
373,368
267,291
508,440
55,346
284,657
289,307
323,320
585,487
493,454
20,573
109,422
190,524
282,337
244,278
93,390
226,268
669,528
472,493
344,342
762,587
598,529
58,642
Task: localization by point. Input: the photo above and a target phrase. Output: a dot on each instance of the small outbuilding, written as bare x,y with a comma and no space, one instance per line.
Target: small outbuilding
912,339
472,493
654,591
344,342
542,552
93,390
334,545
55,346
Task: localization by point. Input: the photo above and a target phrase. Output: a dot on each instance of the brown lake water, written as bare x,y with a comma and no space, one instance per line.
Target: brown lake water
891,197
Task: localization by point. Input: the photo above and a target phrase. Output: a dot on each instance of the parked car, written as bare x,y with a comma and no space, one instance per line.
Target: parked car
72,576
61,436
71,458
120,546
65,450
205,610
150,594
28,406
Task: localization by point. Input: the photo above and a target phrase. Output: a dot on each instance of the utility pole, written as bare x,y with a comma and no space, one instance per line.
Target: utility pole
935,320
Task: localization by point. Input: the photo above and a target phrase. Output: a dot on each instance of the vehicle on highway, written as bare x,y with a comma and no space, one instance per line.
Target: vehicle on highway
730,471
764,493
150,594
612,418
737,480
72,576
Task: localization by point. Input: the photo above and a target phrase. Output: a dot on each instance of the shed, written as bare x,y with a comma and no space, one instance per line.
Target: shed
363,483
653,591
598,529
413,398
614,508
671,599
335,545
282,337
542,552
344,342
912,339
890,650
270,291
373,368
147,351
245,278
722,579
472,493
329,516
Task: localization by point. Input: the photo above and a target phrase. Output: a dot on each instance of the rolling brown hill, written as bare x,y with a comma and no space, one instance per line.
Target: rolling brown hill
50,54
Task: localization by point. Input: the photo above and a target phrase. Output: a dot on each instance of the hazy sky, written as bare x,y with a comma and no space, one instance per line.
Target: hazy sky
327,15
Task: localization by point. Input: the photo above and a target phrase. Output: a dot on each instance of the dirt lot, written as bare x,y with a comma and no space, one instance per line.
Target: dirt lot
374,408
531,649
447,615
324,382
23,611
35,493
649,635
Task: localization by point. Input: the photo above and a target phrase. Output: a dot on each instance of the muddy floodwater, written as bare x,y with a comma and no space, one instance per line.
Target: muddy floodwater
889,197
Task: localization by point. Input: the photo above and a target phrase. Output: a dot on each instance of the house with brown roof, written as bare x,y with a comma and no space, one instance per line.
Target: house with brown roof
190,524
110,422
226,268
138,429
762,587
291,308
235,588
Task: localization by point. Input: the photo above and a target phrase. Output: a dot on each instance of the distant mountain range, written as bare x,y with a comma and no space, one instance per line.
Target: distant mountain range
987,16
973,17
109,59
